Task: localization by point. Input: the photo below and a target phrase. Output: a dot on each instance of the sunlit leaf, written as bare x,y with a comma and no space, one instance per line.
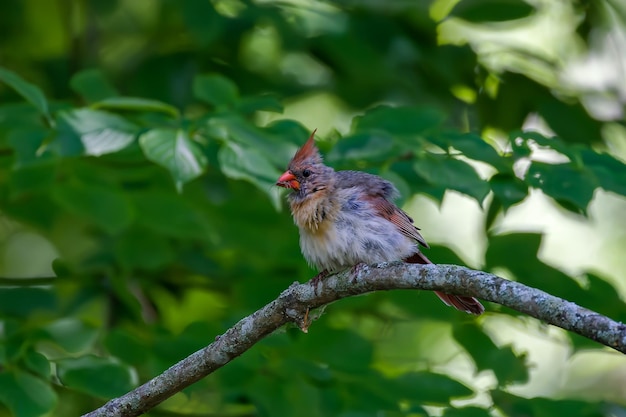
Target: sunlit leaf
100,132
174,150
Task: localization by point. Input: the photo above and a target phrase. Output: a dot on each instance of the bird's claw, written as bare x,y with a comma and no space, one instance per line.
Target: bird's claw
317,280
355,270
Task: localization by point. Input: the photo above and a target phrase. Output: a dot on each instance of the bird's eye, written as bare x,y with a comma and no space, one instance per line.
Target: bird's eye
306,173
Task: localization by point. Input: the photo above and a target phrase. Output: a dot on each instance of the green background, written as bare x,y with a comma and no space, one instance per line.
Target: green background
139,146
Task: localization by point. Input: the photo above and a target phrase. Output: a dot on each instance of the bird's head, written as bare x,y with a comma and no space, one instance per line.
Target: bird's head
306,173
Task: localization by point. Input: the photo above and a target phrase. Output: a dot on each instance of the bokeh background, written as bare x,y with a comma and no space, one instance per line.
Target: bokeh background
139,145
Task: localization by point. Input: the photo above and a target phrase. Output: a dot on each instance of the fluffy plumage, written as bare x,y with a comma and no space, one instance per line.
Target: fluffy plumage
348,217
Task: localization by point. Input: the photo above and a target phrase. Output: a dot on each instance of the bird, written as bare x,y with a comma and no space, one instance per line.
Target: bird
346,218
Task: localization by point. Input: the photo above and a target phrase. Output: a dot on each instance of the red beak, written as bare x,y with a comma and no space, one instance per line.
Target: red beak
288,180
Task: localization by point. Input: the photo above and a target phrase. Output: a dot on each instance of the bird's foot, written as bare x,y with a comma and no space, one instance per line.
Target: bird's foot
317,279
355,270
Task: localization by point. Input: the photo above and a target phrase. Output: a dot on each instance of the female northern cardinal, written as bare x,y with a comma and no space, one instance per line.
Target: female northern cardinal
347,217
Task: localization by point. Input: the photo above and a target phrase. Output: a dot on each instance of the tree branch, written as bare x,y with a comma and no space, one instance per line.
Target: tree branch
294,303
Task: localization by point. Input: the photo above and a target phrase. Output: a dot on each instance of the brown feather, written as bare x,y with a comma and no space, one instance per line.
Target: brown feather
460,302
399,218
308,153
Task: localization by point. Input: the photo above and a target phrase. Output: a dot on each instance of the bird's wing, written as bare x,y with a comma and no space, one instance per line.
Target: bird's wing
379,192
399,218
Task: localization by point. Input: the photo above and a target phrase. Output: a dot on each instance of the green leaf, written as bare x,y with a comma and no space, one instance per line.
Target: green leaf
27,144
571,122
341,350
26,395
143,248
126,345
27,90
507,366
400,121
527,268
552,142
598,291
243,163
32,178
108,208
99,132
508,189
95,376
23,302
417,184
453,174
71,334
171,215
428,388
476,148
174,150
564,183
274,142
34,169
466,412
92,85
259,103
37,363
513,405
609,172
136,104
373,147
215,89
478,11
202,21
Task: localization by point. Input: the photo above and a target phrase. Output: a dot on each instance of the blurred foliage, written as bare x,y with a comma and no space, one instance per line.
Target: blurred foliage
131,140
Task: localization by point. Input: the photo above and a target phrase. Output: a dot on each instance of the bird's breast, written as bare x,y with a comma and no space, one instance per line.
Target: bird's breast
352,236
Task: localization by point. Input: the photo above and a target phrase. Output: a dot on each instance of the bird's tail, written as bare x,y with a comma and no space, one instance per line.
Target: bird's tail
460,302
